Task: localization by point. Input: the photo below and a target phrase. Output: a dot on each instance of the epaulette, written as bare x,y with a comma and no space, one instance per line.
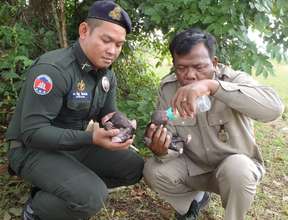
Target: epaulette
57,58
169,78
226,72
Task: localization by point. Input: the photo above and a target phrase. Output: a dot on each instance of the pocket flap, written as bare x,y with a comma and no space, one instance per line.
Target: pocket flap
184,122
219,118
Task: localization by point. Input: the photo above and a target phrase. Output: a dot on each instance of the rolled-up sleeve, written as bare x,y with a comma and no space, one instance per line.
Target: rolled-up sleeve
247,96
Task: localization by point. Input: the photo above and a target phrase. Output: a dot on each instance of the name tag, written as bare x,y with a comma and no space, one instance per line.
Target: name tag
75,95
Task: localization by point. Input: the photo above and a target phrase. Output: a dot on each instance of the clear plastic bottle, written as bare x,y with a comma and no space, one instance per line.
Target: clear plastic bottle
203,104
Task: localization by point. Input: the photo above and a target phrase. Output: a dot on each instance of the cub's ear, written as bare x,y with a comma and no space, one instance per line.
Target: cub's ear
133,123
107,117
90,126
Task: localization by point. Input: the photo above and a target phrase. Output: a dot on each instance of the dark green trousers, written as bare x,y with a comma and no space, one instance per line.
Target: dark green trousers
73,185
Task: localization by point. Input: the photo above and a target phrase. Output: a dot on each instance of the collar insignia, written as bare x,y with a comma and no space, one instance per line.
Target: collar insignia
115,13
81,86
84,65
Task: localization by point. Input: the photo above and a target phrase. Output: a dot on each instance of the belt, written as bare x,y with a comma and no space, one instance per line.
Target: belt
15,144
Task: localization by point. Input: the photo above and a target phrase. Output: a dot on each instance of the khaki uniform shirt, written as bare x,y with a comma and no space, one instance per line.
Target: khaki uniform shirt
227,128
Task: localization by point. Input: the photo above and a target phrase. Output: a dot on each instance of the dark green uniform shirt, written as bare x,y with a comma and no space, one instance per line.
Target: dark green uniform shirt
61,94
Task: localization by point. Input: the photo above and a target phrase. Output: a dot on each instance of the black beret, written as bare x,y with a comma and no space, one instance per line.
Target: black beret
108,10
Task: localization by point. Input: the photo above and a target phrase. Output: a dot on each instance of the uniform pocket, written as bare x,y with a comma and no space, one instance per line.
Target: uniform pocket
78,105
184,122
219,123
188,129
78,101
219,118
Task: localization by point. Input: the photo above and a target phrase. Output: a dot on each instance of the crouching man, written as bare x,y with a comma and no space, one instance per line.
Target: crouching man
222,156
70,166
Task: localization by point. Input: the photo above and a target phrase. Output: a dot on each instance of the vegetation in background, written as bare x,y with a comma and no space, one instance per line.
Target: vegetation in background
138,85
228,20
30,28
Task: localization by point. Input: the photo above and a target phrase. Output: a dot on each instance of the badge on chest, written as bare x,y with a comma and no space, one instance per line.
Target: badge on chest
223,134
80,93
105,84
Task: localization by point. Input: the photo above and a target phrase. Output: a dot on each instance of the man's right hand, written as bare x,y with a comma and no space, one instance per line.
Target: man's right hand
103,138
160,139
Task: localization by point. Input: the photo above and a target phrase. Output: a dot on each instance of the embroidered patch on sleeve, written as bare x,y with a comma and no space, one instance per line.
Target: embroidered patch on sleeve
42,84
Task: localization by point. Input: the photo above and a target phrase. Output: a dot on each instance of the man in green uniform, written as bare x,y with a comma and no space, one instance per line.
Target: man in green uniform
50,146
222,156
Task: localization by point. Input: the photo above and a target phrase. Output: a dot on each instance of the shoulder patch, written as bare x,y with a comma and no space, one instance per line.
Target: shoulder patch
42,84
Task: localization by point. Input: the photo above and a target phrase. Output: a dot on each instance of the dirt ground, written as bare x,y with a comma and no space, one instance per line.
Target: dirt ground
138,202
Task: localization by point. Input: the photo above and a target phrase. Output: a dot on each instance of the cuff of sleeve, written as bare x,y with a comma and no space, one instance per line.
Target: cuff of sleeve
85,138
225,87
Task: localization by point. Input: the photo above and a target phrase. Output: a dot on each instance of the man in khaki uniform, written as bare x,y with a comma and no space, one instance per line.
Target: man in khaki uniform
222,156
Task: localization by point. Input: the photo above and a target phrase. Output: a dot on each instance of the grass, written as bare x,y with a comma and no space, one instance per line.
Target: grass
278,81
140,203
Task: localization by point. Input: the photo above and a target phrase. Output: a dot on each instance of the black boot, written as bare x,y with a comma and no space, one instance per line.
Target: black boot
194,209
28,213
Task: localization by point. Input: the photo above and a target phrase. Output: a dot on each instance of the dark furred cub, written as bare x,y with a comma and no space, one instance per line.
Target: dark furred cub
119,121
159,117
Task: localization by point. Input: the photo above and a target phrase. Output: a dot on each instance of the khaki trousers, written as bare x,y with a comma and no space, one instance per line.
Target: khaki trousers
235,180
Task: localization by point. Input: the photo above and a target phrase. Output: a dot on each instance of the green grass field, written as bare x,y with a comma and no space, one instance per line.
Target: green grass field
279,81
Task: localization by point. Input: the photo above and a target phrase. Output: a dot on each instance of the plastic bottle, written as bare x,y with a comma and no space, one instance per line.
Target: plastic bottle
203,104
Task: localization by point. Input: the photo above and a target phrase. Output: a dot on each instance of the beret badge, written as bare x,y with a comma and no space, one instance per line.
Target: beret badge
116,13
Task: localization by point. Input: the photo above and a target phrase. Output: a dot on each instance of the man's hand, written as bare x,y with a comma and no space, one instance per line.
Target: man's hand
103,138
184,101
160,139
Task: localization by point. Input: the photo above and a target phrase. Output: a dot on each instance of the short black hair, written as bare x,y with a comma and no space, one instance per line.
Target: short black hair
93,23
184,41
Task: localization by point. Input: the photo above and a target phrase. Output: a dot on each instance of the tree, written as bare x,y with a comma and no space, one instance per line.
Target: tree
58,9
228,20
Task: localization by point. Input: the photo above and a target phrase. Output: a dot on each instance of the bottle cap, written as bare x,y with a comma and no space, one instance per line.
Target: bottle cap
170,114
